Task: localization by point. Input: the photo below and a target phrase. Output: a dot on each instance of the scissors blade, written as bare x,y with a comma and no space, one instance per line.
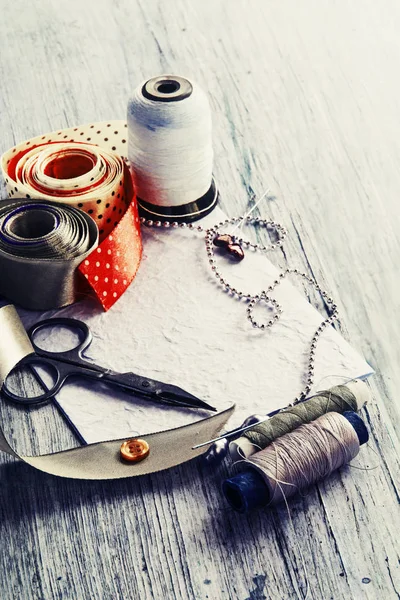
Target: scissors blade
172,394
155,390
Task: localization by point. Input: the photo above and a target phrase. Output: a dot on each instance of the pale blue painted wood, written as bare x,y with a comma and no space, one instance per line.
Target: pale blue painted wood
306,100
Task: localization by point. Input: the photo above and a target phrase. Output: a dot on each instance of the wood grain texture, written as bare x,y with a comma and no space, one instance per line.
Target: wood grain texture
306,100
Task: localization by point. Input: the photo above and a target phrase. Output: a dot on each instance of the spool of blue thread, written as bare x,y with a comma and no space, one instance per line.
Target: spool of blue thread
247,490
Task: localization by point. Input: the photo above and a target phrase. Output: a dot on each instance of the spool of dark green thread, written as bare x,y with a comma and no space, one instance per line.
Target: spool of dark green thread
341,398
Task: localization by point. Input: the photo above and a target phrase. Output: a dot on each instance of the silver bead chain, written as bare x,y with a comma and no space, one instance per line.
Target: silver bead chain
263,296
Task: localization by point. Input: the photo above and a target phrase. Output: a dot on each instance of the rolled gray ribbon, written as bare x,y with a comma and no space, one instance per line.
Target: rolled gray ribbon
41,245
102,460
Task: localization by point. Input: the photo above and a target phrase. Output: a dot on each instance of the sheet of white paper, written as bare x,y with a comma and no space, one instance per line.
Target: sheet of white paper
176,324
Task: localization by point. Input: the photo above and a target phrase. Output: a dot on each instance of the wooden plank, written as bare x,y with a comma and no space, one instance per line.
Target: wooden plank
305,100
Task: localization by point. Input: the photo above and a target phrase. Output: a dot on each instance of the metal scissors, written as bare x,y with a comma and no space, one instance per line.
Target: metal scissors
71,364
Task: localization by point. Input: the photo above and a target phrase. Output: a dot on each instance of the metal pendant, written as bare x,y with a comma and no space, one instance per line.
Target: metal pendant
229,243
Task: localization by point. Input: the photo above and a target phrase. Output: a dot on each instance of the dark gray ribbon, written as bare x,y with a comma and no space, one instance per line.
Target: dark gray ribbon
41,246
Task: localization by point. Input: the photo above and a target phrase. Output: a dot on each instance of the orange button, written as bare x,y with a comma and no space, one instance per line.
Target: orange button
134,450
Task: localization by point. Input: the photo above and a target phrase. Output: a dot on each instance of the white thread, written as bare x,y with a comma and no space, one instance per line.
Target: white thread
170,147
241,223
306,455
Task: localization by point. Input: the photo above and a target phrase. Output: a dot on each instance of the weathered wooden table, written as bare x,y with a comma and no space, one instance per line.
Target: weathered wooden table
305,99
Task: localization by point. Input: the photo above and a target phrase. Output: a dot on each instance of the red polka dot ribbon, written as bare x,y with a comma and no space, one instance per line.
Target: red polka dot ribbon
78,167
113,265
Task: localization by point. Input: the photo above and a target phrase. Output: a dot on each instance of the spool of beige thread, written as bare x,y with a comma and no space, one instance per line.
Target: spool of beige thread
296,460
243,448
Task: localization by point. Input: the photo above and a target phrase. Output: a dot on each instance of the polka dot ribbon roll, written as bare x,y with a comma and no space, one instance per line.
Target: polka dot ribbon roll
84,167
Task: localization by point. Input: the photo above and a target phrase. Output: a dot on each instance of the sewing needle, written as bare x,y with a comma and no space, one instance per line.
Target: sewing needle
240,224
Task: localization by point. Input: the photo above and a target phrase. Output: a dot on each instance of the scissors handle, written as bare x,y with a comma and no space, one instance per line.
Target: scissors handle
61,365
59,371
85,337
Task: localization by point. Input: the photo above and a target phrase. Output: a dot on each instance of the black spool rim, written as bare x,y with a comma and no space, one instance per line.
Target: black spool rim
167,88
184,213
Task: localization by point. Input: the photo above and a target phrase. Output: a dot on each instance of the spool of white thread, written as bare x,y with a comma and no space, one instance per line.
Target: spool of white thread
170,149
